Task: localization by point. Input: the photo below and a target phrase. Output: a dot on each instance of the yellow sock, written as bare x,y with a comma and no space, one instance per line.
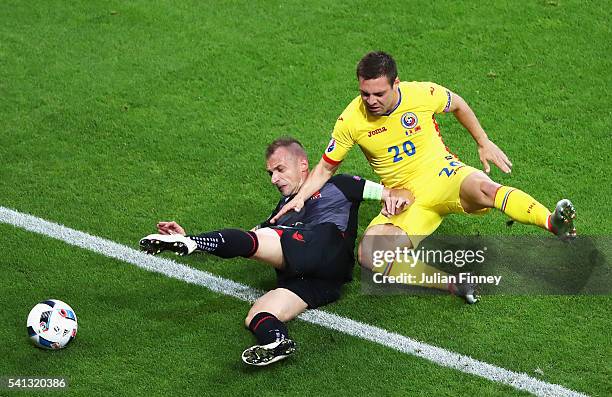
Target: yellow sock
414,274
521,207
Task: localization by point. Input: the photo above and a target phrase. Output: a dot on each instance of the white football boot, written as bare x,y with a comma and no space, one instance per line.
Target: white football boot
268,354
155,243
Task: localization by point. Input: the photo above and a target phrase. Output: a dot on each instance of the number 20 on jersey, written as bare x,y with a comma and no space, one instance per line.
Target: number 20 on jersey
407,148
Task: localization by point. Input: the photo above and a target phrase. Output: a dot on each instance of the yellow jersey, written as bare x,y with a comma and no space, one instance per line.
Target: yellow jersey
402,146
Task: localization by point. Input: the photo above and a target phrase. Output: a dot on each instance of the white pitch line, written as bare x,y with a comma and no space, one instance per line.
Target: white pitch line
170,268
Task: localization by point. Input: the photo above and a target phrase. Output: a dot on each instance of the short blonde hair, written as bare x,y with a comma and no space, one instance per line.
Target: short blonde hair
287,142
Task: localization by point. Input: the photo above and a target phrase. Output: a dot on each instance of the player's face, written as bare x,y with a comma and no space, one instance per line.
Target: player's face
378,95
286,171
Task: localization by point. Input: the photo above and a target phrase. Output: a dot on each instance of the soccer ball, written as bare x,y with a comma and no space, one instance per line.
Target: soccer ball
52,324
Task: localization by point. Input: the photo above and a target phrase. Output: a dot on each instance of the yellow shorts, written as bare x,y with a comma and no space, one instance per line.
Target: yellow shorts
436,195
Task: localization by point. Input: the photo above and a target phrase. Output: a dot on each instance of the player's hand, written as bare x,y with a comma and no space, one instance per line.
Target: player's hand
488,151
170,228
395,201
295,204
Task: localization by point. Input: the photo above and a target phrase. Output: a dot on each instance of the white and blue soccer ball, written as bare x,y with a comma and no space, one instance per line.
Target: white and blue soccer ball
52,324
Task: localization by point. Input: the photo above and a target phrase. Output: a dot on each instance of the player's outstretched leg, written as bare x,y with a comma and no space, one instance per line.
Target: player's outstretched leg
226,243
525,209
273,341
478,191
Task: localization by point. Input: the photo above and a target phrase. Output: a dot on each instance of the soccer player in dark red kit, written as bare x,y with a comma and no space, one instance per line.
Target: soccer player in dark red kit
311,250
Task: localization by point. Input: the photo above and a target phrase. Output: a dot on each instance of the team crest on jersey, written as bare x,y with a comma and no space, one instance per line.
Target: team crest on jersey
409,120
331,146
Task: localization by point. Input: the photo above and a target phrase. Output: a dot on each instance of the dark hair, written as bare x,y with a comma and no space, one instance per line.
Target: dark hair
288,142
376,64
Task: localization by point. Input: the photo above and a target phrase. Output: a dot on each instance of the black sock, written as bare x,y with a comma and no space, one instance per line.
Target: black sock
227,243
267,328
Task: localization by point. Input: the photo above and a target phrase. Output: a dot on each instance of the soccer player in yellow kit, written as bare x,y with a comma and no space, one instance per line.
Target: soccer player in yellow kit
394,124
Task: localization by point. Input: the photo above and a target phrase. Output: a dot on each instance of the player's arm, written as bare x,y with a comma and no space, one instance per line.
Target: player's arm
356,188
315,181
487,150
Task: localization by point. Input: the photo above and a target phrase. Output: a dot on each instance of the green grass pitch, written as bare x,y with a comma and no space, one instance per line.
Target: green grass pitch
114,115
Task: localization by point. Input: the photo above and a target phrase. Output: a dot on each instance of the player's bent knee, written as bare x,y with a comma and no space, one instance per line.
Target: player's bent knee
259,306
486,196
366,246
478,192
380,238
282,303
489,189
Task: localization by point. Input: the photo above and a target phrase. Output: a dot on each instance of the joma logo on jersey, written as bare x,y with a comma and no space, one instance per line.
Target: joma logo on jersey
376,131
